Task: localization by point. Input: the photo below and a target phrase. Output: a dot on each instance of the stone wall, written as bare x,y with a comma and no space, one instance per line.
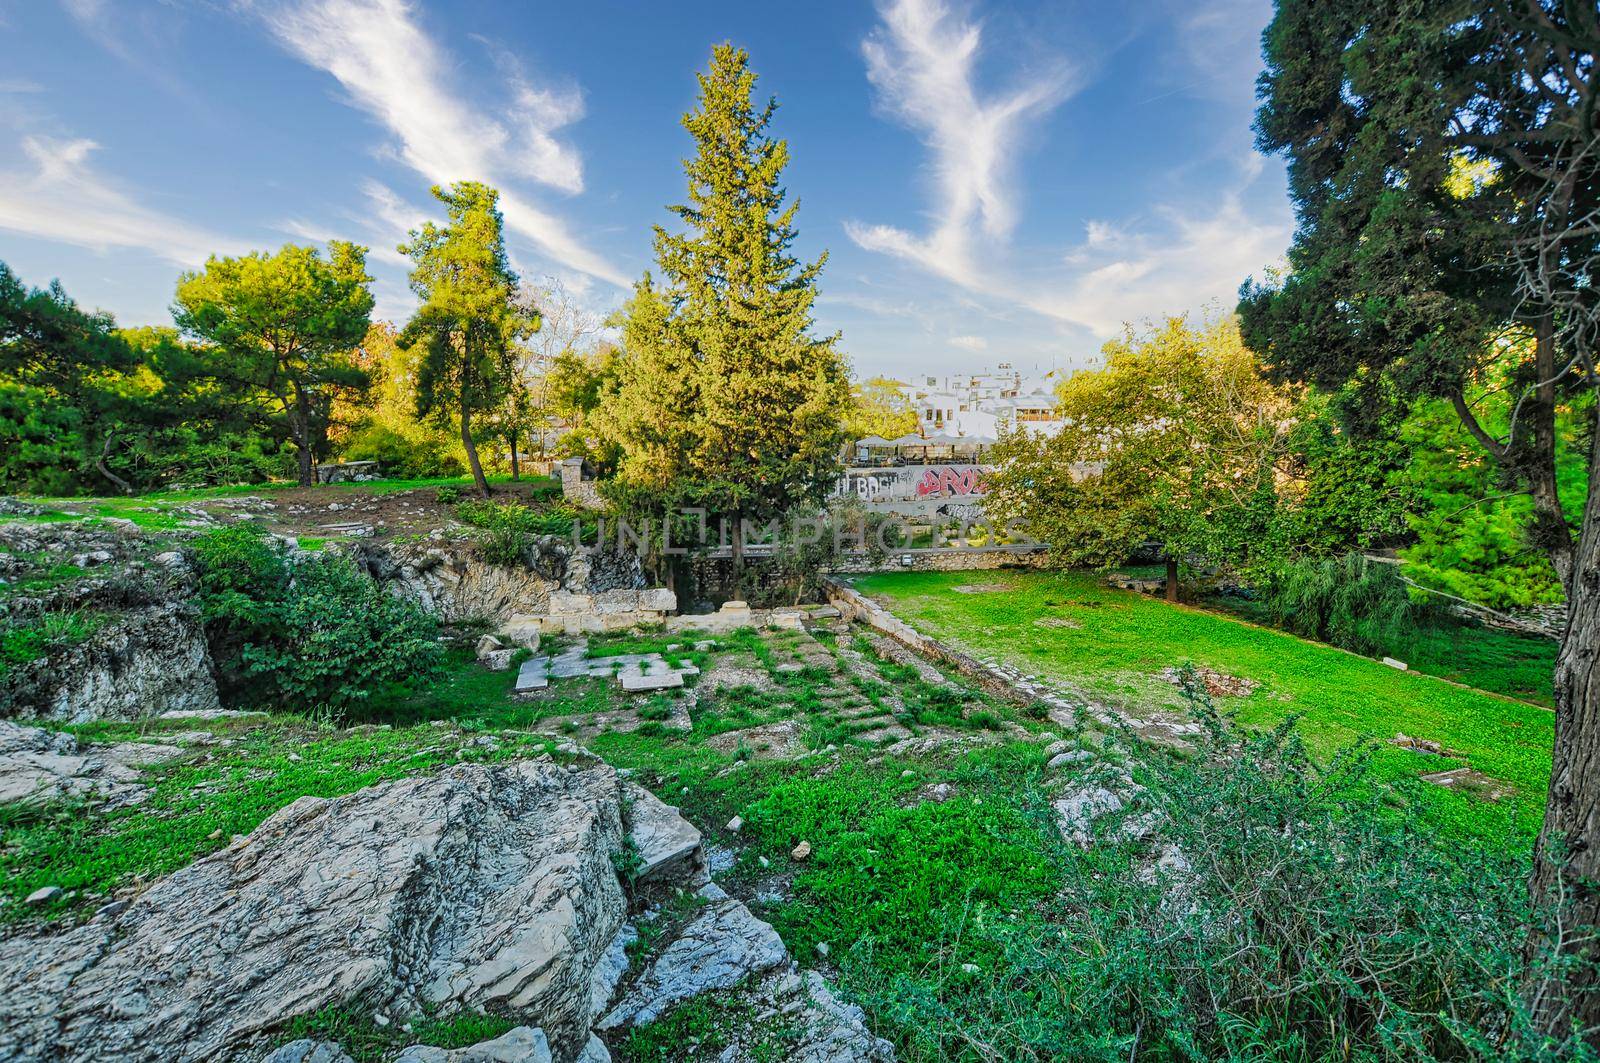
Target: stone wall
578,489
855,606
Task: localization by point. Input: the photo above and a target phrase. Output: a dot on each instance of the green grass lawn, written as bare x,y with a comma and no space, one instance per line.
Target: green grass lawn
1492,659
152,510
1122,640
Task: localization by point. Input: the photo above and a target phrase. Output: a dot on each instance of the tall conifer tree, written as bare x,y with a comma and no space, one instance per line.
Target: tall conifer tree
470,318
726,400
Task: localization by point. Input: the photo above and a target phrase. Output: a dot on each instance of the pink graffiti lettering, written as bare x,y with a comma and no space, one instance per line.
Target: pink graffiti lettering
945,481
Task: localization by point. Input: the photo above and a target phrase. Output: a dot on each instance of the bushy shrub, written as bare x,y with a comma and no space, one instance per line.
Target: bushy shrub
448,495
510,528
243,576
316,634
410,457
1293,916
341,636
1348,601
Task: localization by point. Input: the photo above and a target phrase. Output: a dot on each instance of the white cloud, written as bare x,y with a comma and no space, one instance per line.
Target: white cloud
970,343
922,61
389,221
379,53
1183,264
1169,259
61,197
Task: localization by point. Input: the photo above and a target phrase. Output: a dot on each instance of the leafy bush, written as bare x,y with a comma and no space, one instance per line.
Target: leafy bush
340,637
448,495
1347,601
318,634
511,527
1294,916
409,457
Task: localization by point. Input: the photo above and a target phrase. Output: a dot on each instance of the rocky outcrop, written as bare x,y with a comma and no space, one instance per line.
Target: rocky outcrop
561,588
484,887
487,888
138,663
719,949
38,765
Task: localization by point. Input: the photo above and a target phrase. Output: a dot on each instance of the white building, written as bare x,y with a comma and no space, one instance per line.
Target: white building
980,405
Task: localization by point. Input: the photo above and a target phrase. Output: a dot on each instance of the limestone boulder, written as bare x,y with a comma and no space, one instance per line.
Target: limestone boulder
485,887
668,845
719,949
141,663
37,765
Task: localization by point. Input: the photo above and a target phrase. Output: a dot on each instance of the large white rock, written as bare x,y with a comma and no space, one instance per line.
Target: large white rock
143,663
485,887
40,765
668,845
720,948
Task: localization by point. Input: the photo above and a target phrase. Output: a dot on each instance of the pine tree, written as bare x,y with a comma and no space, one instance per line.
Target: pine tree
285,323
726,400
470,319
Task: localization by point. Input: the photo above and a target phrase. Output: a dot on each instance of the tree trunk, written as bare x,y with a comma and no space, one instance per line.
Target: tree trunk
1550,532
1172,579
472,451
105,470
1566,869
300,429
516,474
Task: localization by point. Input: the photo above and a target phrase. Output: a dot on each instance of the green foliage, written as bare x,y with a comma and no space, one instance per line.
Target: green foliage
340,637
24,640
317,635
724,399
1296,920
364,1041
1347,601
511,528
1174,441
1472,528
879,407
386,428
284,325
470,320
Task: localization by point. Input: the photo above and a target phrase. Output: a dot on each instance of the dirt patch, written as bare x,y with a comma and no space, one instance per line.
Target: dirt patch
1473,782
334,510
1058,621
769,741
981,588
1217,684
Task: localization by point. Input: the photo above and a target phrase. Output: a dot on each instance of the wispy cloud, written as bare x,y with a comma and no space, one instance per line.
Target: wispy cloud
1180,262
379,52
969,343
60,196
139,33
923,63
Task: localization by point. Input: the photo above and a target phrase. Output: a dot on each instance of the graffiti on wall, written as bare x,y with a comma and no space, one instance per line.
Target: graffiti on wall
951,481
911,485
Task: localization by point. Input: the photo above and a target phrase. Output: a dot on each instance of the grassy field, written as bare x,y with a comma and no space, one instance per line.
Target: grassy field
1111,645
1492,659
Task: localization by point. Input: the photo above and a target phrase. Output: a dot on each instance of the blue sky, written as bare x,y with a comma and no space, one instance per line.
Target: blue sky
993,181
